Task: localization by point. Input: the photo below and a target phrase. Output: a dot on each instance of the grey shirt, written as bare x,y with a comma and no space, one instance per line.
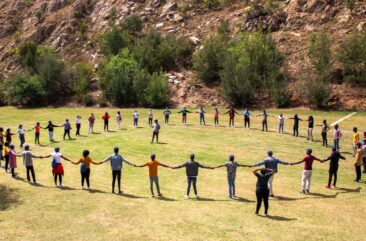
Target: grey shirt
116,161
191,168
27,158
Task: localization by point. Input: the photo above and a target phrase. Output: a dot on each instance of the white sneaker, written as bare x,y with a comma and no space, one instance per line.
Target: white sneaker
186,197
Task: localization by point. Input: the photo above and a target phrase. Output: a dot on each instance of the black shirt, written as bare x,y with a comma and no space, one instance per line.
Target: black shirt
334,159
262,182
50,127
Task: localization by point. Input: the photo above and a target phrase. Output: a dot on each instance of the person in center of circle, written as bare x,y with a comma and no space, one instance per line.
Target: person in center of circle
262,191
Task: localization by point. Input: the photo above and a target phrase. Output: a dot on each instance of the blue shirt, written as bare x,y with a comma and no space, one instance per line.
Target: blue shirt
116,161
271,163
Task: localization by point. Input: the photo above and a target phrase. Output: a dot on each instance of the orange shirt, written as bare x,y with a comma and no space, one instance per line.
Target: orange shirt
86,161
153,168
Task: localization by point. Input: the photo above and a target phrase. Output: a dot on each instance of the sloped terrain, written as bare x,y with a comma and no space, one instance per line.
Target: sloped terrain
58,23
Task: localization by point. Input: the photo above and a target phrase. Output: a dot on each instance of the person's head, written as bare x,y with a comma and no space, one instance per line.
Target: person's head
281,115
324,121
334,149
309,151
264,111
135,111
26,147
57,149
92,114
20,126
295,115
231,157
8,130
246,109
270,153
263,171
152,156
216,108
6,144
1,129
38,124
106,114
364,133
78,117
311,117
12,147
358,144
86,153
192,156
118,112
184,108
355,129
156,121
116,149
50,122
336,126
67,120
166,108
201,107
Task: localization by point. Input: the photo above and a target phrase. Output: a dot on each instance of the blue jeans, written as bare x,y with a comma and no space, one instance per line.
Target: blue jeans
202,120
135,121
336,144
22,139
192,180
231,184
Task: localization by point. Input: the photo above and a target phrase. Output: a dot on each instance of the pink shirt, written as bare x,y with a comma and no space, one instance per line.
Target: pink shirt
12,159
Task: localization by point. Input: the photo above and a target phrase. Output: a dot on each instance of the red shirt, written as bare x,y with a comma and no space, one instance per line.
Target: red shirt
309,162
37,129
231,113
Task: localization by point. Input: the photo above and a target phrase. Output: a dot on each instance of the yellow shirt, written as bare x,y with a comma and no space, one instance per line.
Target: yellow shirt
86,161
358,157
6,150
356,138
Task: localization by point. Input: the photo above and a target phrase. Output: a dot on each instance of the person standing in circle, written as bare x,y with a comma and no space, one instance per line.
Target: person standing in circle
57,167
262,190
166,113
119,120
67,128
91,121
150,116
106,118
78,125
135,117
85,168
156,129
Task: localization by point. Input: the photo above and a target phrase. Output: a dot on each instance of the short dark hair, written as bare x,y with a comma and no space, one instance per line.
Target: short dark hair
86,153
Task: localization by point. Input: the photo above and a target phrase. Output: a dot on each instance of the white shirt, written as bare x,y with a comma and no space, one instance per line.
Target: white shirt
119,117
56,156
281,120
78,120
135,115
21,131
150,114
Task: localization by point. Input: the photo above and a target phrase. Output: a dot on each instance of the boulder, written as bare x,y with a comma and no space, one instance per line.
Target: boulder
361,26
170,6
177,17
56,5
194,40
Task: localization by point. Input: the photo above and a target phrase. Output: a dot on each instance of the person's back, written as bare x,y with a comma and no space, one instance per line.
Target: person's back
153,168
334,158
231,167
271,163
116,161
262,182
192,168
156,127
27,158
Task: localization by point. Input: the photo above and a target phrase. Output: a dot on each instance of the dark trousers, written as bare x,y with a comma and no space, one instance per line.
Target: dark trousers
364,164
336,144
358,173
216,120
135,122
150,121
85,175
59,178
155,134
202,120
246,122
106,127
264,125
231,121
296,130
166,119
6,163
30,169
192,180
184,119
116,174
325,139
262,195
78,129
12,172
22,139
67,132
332,173
36,138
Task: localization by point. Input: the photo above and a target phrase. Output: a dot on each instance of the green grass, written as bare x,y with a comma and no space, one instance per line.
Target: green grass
46,213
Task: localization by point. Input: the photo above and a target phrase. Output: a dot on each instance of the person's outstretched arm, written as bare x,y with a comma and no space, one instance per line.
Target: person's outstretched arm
342,157
75,163
34,156
283,162
259,164
218,166
65,158
327,159
163,165
205,167
143,165
96,163
105,160
317,159
244,165
295,163
180,111
180,166
128,162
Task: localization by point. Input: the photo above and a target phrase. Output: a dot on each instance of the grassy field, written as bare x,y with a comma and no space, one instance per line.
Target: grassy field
44,212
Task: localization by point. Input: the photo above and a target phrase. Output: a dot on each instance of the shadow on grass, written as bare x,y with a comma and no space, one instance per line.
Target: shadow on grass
92,190
70,139
67,188
96,133
163,198
287,199
321,195
244,200
349,190
203,199
130,196
346,152
18,178
8,197
161,143
82,136
280,218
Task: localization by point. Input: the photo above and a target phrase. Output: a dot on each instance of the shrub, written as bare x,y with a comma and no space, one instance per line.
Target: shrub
39,15
116,78
352,55
211,3
320,54
350,4
113,41
81,85
87,100
27,54
318,93
25,89
156,92
83,29
132,24
207,62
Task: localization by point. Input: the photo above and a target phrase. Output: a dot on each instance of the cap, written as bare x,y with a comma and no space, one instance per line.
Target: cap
270,153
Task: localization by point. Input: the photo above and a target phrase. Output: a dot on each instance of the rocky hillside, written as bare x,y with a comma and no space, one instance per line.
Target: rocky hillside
59,22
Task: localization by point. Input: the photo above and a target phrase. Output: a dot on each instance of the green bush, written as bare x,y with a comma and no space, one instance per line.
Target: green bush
116,78
25,89
27,54
156,93
350,4
211,3
132,24
84,74
318,93
352,55
87,100
252,63
320,54
113,41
